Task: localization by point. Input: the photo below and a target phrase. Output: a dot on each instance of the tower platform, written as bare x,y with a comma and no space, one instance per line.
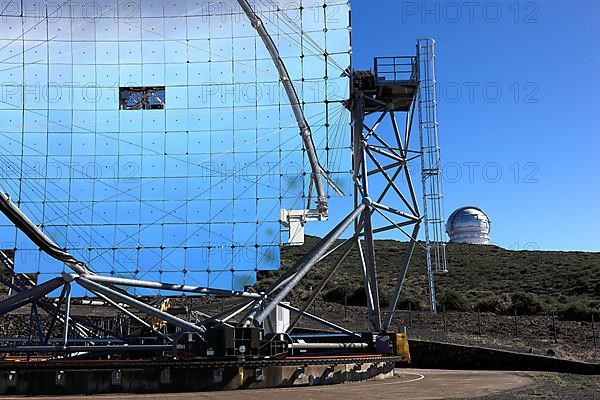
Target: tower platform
392,86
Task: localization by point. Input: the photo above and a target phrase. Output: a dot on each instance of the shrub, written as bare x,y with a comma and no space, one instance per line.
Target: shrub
527,304
576,310
385,295
454,300
499,304
357,297
406,301
338,295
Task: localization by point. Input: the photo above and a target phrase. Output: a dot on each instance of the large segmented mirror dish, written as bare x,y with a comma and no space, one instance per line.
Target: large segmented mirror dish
153,138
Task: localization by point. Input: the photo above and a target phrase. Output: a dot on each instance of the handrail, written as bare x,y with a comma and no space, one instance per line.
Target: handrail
398,68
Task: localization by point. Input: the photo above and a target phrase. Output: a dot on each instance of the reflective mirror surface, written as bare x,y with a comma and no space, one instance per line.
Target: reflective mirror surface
188,188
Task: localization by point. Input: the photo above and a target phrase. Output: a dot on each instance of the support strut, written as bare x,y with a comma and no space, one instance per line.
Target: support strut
286,81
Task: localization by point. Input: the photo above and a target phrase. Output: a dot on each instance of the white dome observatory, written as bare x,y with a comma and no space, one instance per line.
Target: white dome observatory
469,225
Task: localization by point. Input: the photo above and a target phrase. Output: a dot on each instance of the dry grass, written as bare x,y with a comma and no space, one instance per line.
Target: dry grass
552,279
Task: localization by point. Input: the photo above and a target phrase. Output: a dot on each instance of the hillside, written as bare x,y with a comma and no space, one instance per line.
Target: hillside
480,276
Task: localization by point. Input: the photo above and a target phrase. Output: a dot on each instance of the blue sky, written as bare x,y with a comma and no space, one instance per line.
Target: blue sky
518,83
518,109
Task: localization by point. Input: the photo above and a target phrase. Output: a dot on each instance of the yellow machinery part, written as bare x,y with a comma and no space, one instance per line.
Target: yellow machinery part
402,347
158,323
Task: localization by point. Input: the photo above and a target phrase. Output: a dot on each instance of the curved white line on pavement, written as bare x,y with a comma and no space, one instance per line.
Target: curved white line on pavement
419,377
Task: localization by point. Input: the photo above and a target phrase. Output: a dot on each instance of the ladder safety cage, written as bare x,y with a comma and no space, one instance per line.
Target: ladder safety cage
431,177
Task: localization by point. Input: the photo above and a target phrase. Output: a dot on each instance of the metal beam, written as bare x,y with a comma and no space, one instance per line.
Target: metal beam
386,154
390,182
318,289
320,320
327,346
27,296
37,236
375,315
308,262
56,313
151,311
402,276
67,314
133,316
288,85
398,226
361,188
393,226
167,286
371,130
365,275
284,278
389,209
386,145
397,133
396,164
85,349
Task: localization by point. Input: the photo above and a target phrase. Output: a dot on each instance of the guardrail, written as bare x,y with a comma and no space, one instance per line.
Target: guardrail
397,69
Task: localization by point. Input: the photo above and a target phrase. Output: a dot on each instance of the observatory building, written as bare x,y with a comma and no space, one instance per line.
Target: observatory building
469,225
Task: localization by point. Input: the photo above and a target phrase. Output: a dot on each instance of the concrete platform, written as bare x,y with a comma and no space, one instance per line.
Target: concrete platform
407,384
63,378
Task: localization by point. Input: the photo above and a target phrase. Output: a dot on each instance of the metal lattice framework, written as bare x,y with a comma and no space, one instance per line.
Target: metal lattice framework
384,200
382,150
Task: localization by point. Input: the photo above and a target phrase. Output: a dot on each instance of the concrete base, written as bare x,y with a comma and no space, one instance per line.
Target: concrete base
406,385
180,377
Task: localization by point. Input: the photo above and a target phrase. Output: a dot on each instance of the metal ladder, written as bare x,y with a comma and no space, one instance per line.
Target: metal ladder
433,209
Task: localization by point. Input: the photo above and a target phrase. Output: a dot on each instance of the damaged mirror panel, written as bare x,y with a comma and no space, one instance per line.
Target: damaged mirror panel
142,98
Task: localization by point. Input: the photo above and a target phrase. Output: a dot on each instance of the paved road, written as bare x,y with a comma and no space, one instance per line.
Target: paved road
408,384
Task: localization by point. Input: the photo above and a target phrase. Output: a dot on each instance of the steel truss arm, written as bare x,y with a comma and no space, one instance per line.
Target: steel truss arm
288,85
132,316
320,320
227,315
305,264
61,300
371,268
167,286
349,244
361,178
399,284
84,327
35,234
149,310
285,278
385,155
30,295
